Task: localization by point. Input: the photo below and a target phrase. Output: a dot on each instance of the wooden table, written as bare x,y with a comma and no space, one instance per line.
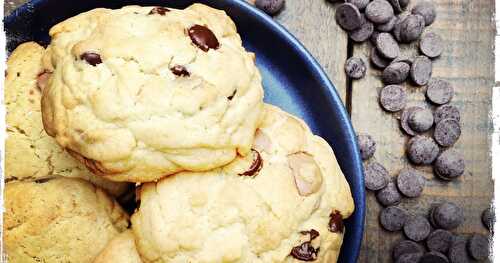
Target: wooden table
468,31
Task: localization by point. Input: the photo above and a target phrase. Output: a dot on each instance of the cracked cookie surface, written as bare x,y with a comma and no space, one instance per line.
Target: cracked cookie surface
279,204
139,93
30,154
58,220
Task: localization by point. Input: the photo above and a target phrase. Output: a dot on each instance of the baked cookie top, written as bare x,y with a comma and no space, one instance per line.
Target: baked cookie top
120,249
283,203
138,93
31,154
59,220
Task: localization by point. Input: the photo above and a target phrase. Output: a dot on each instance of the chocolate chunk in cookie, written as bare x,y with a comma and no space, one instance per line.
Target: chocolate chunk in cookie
203,37
159,10
91,58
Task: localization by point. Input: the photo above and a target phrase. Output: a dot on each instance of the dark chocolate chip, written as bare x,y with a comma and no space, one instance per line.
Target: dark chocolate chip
312,234
379,11
92,58
396,6
362,33
446,112
392,98
410,182
348,16
159,11
373,37
404,59
411,28
393,218
434,257
409,258
378,60
439,91
396,73
458,250
203,37
448,215
417,228
488,218
376,176
421,120
230,97
389,195
360,4
355,68
367,146
431,45
427,10
405,116
396,31
256,165
43,180
449,165
387,46
439,240
422,150
404,3
407,247
388,26
478,247
270,7
336,223
447,132
179,70
305,252
421,70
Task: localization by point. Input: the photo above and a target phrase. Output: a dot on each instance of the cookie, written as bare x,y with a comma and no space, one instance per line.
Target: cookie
447,215
389,195
393,218
421,70
396,73
439,240
387,46
407,247
427,10
447,132
367,146
421,120
270,7
30,154
376,176
348,16
431,45
410,182
433,257
392,98
224,216
121,249
422,150
446,112
404,120
478,247
41,216
417,228
355,68
379,11
114,116
439,91
449,165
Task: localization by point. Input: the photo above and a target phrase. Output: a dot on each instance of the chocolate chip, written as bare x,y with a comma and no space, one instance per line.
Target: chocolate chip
392,98
478,247
439,240
393,218
407,247
421,120
396,31
355,68
449,165
376,176
379,11
389,195
348,16
425,9
404,3
43,180
367,146
92,58
256,165
179,70
447,132
230,97
446,112
410,182
417,228
396,73
458,250
336,223
270,7
439,91
373,37
405,116
488,218
387,46
305,252
312,234
378,60
159,10
411,28
362,33
388,26
360,4
421,70
447,215
404,59
203,37
431,45
409,258
434,257
396,5
422,150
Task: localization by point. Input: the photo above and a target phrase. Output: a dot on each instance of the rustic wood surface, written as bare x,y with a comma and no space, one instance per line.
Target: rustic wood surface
467,62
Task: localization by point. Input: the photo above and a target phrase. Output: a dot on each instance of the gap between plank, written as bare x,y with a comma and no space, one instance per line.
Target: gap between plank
348,80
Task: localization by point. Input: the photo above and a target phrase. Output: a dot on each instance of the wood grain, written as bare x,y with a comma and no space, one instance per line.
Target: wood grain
467,63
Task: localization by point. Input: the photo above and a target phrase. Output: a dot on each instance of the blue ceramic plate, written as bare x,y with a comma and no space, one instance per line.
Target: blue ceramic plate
293,80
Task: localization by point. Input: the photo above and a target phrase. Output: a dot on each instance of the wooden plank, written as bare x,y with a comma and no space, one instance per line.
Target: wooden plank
467,63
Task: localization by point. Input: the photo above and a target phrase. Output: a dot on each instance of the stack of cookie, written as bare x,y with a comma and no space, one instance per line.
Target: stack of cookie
165,104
